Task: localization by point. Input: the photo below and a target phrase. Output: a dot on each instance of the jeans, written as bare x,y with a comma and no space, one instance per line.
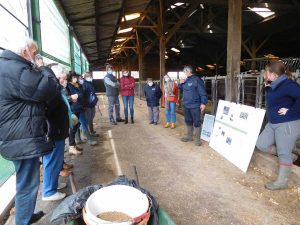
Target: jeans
27,185
52,165
84,126
171,112
128,100
192,117
72,133
153,113
113,102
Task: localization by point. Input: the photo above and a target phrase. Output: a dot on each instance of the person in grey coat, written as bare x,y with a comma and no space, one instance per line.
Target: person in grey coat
112,86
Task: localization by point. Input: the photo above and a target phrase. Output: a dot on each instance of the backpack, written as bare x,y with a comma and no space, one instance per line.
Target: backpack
93,99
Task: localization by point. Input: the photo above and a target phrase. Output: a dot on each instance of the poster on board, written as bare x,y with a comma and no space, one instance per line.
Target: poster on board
207,127
235,132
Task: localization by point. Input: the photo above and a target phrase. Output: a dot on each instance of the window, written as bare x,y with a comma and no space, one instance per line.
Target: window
54,32
13,21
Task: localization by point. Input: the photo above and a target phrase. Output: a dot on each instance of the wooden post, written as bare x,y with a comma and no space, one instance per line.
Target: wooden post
162,60
234,39
141,62
162,42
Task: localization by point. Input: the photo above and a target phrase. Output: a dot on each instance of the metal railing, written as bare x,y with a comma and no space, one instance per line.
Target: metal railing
250,89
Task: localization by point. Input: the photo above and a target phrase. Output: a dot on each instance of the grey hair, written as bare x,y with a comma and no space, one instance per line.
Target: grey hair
188,68
18,45
87,74
58,70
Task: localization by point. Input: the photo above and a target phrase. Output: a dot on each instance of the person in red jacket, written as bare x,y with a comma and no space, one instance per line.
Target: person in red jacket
171,98
127,92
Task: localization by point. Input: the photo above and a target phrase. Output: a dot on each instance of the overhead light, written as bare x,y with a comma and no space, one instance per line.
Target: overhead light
110,59
208,26
125,30
210,31
210,66
199,69
202,6
179,3
166,32
175,50
263,12
193,13
166,52
267,5
131,16
120,39
271,56
166,57
176,5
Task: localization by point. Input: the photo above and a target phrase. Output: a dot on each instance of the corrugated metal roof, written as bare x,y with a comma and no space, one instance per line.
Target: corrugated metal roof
96,22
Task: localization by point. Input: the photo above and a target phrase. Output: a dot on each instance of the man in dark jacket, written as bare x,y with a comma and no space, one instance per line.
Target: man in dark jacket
112,92
24,137
153,94
194,101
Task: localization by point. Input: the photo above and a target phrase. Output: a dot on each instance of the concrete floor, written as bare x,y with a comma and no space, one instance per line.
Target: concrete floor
194,184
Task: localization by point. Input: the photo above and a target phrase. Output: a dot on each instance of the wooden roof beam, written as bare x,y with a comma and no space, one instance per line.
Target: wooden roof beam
183,19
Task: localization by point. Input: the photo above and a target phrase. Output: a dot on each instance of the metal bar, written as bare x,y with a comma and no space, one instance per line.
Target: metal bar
36,24
13,16
73,187
45,54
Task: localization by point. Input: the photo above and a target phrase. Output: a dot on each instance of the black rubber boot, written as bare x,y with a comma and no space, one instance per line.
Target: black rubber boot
189,135
197,136
126,120
132,120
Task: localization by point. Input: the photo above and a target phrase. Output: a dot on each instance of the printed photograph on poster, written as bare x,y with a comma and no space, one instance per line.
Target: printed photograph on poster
226,110
228,140
244,115
235,132
207,127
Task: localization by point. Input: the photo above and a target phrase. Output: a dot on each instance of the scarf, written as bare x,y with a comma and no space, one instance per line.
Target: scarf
168,90
65,99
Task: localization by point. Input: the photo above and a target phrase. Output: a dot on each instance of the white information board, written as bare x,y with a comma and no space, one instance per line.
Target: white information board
207,127
235,132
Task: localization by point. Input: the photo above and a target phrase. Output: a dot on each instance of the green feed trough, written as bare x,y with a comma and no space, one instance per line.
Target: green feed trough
6,170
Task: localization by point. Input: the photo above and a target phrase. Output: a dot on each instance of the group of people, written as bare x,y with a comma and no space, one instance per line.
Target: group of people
194,101
41,106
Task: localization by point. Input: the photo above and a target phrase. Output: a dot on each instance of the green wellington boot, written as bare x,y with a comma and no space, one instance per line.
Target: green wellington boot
282,179
189,135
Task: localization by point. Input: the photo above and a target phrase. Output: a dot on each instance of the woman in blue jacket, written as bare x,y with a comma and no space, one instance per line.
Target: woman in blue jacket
77,108
282,129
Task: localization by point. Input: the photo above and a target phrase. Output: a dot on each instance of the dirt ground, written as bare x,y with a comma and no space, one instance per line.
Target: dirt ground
194,184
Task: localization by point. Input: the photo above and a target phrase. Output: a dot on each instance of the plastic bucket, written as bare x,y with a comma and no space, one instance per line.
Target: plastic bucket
117,198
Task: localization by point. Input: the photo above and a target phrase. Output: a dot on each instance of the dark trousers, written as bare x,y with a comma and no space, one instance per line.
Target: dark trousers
27,185
192,117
